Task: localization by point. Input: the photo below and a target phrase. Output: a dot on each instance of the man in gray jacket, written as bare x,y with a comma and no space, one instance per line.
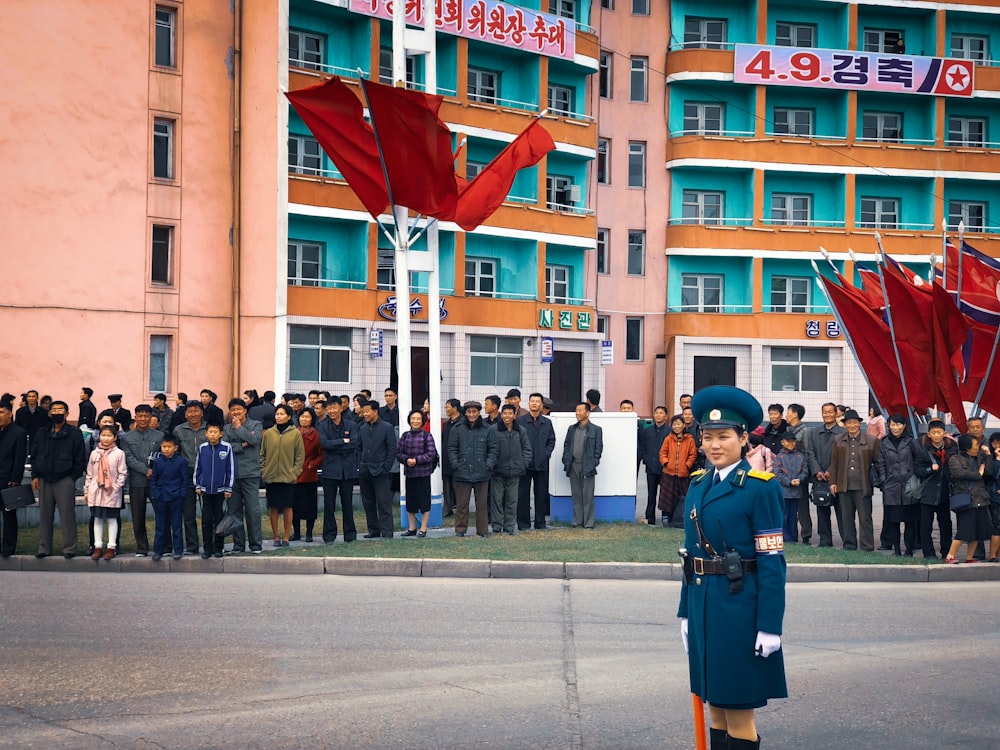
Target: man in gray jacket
819,452
513,459
582,451
190,434
376,457
472,449
139,445
244,435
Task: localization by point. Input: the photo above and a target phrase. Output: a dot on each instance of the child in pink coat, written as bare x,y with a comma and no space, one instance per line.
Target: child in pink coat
106,475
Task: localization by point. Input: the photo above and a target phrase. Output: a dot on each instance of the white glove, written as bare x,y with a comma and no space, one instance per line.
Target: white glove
684,633
767,643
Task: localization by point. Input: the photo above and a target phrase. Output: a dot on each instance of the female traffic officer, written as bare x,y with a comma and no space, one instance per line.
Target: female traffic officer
733,596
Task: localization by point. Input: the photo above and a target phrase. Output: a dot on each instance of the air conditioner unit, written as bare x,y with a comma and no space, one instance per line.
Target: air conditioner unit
574,193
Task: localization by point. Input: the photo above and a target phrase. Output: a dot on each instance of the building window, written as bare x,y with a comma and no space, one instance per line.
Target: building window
483,85
701,292
883,40
636,252
319,354
791,210
304,263
795,34
385,67
561,100
706,33
557,284
703,119
966,131
603,161
790,294
563,8
473,168
161,252
163,149
603,250
702,207
793,121
879,213
385,278
633,339
973,213
604,73
603,324
637,164
305,50
882,126
637,79
159,363
608,4
640,7
496,360
970,47
559,192
166,37
480,277
304,155
799,369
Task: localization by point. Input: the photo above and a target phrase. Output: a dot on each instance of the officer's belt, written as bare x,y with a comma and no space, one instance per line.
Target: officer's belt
705,567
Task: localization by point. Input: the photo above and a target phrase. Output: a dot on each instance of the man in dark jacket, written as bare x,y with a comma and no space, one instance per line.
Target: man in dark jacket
139,445
818,449
650,442
340,471
930,464
453,415
245,435
472,449
776,427
851,460
543,441
513,459
13,456
123,417
59,459
581,456
31,417
87,411
376,457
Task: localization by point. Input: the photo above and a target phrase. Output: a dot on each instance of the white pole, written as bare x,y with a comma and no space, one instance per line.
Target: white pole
404,387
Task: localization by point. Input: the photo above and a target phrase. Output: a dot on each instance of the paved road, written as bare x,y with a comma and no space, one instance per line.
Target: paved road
207,661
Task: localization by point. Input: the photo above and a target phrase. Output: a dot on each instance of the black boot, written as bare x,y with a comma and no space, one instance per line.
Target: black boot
309,530
718,739
738,744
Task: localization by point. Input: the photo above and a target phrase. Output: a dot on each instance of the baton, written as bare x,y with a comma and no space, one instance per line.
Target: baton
700,743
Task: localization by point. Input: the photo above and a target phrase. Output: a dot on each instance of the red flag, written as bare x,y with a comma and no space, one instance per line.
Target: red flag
980,294
872,286
983,338
480,198
950,332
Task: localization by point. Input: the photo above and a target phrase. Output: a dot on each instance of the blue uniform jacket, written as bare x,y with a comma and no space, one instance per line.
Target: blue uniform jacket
171,479
215,468
722,627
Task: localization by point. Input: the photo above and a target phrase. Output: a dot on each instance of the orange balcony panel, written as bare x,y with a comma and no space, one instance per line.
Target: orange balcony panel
699,60
987,79
801,239
316,191
751,326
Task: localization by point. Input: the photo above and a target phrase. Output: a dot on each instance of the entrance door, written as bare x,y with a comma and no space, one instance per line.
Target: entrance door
420,384
566,380
714,371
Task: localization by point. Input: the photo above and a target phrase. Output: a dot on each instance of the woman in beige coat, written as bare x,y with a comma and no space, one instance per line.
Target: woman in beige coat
282,455
106,475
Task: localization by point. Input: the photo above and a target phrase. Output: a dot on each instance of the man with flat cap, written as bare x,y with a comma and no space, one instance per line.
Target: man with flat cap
123,417
733,593
472,450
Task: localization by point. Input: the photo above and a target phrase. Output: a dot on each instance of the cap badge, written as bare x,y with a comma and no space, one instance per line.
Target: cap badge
715,415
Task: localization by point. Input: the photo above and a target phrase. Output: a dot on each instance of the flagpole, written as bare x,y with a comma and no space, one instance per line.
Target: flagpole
944,254
961,244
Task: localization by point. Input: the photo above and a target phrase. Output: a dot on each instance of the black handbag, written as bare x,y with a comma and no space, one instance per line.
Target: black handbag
17,497
821,495
873,477
228,525
961,501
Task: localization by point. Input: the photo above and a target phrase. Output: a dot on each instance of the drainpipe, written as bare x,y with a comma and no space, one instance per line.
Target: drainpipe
235,71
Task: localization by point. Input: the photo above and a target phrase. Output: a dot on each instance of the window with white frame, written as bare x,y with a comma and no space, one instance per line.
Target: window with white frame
799,369
557,284
159,363
563,8
702,206
161,255
882,40
706,33
966,131
483,85
973,213
882,126
970,47
637,164
480,277
633,339
165,52
304,263
793,121
704,118
385,67
163,148
603,161
790,294
604,74
318,354
603,324
608,4
702,292
636,252
879,213
559,192
385,278
794,34
603,250
640,7
304,155
637,87
561,100
495,360
473,168
791,210
305,49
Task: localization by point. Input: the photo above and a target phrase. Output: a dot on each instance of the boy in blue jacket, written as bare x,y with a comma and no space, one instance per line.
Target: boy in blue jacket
214,474
790,469
168,486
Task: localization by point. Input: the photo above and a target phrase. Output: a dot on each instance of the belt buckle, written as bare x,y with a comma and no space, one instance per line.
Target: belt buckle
699,566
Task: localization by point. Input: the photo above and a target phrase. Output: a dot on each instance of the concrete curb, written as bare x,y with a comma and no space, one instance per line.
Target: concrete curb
526,569
433,568
274,566
372,566
643,571
887,573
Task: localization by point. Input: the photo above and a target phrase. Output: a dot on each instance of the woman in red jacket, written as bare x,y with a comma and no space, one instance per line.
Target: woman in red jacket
677,456
305,501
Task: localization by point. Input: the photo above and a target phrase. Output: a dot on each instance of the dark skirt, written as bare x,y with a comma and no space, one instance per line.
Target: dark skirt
974,525
305,501
96,512
672,492
279,495
418,494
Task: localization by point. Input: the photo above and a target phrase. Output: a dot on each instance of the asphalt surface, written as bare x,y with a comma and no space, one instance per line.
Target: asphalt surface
208,661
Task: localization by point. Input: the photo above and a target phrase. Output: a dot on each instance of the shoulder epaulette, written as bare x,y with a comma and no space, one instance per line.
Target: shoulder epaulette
697,476
758,474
